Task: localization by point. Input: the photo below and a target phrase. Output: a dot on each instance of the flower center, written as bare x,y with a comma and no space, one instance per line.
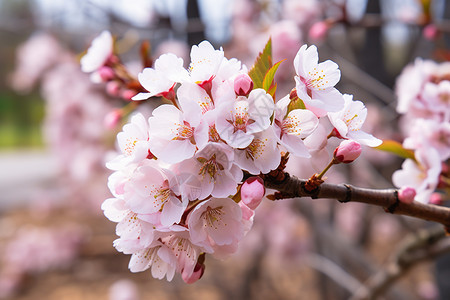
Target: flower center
255,149
184,131
212,216
291,125
240,118
209,166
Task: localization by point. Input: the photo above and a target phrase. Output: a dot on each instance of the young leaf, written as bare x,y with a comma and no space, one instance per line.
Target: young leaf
396,148
268,84
262,65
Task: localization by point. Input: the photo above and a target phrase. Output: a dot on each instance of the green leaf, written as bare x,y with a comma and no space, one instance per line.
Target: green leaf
396,148
262,65
268,84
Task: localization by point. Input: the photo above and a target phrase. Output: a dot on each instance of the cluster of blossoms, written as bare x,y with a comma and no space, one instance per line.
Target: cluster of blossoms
423,91
187,179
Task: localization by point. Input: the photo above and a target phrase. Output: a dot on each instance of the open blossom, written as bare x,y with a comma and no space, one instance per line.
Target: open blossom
98,54
349,120
212,170
216,221
424,134
315,82
174,134
157,257
293,127
161,79
205,62
150,192
423,175
133,142
238,120
262,155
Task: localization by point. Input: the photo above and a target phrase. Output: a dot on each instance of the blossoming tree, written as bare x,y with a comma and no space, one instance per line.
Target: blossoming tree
188,179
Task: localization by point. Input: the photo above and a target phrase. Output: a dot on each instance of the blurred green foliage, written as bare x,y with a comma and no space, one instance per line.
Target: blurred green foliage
20,120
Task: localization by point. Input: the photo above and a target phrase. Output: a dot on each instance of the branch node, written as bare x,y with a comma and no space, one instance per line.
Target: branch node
348,194
391,208
307,189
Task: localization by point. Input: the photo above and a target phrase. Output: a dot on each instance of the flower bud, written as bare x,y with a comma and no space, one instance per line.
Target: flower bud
347,151
430,32
112,118
128,94
436,199
199,269
106,73
406,194
252,192
113,88
243,85
318,30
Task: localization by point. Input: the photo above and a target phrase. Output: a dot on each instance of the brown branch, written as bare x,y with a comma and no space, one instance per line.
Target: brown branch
292,187
424,245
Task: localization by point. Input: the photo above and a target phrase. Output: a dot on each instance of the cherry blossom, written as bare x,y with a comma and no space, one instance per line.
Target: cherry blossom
315,82
149,192
216,221
161,79
349,120
213,171
174,134
237,121
133,142
157,257
423,175
205,62
262,155
98,54
293,127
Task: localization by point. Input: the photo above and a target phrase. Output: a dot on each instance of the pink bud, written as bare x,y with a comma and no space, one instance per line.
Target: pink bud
430,32
113,88
347,151
318,30
199,269
106,73
252,192
128,94
406,194
436,199
243,85
112,118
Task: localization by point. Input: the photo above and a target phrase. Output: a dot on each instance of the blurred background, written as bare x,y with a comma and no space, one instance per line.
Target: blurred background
55,242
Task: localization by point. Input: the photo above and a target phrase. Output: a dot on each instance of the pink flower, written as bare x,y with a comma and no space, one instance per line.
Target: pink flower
199,269
150,192
159,258
262,155
349,120
243,85
98,54
316,81
174,134
423,174
319,30
406,194
133,142
347,151
205,62
216,221
252,192
237,121
212,171
161,79
294,126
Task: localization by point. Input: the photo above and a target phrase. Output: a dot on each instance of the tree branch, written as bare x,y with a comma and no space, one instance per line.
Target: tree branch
291,187
424,245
